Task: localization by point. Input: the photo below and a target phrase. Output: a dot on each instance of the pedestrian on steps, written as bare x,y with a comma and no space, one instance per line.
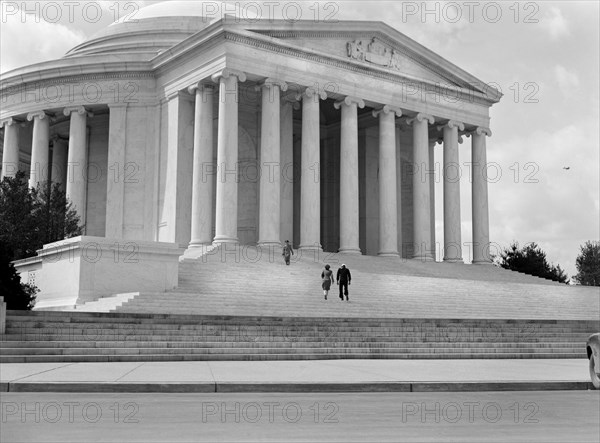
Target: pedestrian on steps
327,278
343,280
287,252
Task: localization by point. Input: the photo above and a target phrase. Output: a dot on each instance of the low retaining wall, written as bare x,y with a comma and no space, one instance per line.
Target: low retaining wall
82,269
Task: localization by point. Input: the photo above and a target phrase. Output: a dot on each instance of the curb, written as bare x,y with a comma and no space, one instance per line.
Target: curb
313,387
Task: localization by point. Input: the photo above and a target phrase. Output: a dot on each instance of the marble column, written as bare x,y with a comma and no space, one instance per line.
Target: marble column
40,148
77,159
226,217
310,198
115,185
481,225
289,103
422,223
270,164
432,180
10,153
203,167
59,162
452,224
349,217
388,200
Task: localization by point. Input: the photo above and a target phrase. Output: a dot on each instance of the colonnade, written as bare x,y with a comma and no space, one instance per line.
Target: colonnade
270,154
226,84
67,164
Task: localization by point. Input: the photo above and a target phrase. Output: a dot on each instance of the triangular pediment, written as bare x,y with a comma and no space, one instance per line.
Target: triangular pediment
378,46
373,52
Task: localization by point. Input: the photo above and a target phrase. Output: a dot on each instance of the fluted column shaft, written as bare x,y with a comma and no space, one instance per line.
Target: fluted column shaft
59,163
226,217
40,149
388,203
287,169
310,189
452,224
481,224
77,160
10,154
203,167
270,164
349,217
423,249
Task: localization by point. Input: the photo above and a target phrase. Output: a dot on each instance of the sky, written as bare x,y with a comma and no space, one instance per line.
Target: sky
543,56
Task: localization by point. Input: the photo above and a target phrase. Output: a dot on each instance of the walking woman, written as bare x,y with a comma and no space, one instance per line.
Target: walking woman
327,277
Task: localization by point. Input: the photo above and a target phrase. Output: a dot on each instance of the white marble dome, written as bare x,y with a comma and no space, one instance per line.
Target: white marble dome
157,27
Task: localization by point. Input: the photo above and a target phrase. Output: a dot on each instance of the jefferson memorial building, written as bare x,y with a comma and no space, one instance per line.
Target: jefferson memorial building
172,133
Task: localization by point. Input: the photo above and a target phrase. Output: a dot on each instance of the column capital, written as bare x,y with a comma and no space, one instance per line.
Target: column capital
228,72
270,82
201,85
58,138
310,92
79,109
420,117
452,124
481,130
386,109
39,114
292,98
349,100
10,121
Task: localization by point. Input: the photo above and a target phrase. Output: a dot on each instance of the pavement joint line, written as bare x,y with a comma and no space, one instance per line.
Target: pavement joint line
41,372
129,372
212,375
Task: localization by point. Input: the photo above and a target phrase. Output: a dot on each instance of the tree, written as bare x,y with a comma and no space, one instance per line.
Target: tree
530,260
588,264
33,217
16,295
17,229
53,215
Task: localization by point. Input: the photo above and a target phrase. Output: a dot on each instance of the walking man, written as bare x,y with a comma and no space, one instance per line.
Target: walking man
287,252
343,280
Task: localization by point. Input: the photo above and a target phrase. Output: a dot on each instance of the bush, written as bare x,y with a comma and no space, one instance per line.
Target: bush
17,295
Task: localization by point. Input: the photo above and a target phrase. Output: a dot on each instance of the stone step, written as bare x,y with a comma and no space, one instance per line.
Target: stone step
38,317
249,351
270,357
337,333
289,346
281,341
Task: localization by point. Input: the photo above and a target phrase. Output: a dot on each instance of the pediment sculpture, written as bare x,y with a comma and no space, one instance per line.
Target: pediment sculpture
374,52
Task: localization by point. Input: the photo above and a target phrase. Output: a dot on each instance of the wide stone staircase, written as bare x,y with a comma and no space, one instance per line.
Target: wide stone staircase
250,306
95,337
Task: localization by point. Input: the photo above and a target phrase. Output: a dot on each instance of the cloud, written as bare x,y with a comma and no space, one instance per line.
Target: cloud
568,81
539,201
555,23
37,42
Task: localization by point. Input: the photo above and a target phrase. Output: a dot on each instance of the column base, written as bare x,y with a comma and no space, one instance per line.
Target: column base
453,260
427,258
388,254
199,244
197,250
224,239
349,251
269,244
482,262
311,247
